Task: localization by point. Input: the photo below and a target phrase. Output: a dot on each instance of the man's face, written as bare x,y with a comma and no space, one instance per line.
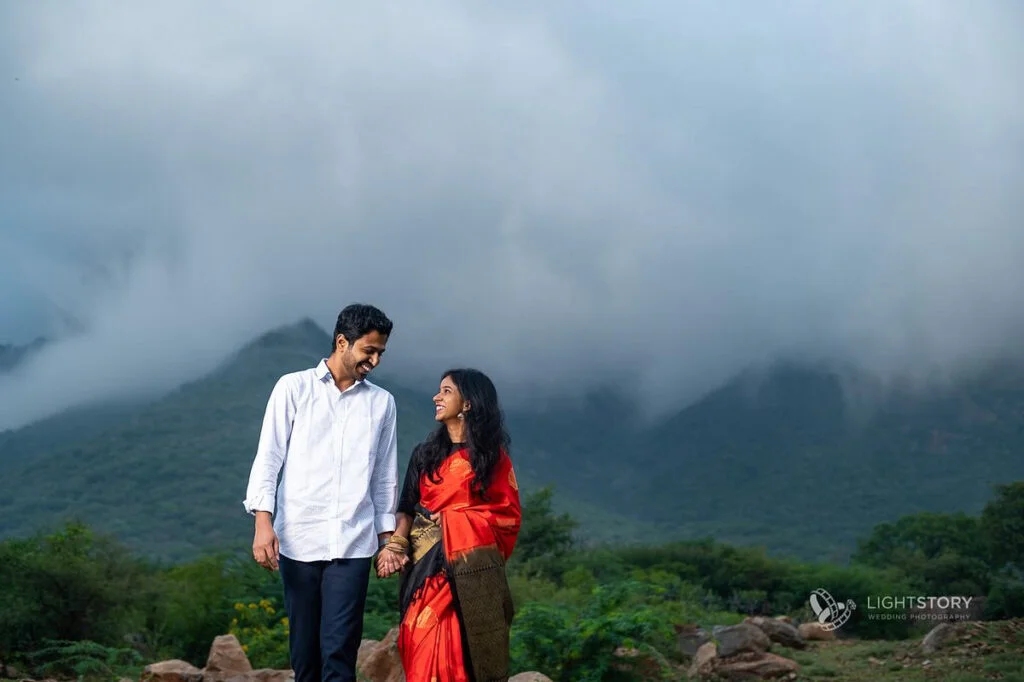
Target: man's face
362,356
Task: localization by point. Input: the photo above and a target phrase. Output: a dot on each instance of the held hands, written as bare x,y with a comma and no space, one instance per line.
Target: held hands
393,557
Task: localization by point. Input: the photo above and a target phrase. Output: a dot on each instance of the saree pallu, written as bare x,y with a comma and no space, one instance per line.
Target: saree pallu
455,601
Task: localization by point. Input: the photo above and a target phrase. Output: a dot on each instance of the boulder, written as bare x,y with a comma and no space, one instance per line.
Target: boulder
264,675
757,666
225,660
938,637
816,632
737,639
174,670
779,632
691,637
379,661
644,665
703,661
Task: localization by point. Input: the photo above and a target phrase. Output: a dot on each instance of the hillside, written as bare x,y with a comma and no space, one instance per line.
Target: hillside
169,477
786,461
779,462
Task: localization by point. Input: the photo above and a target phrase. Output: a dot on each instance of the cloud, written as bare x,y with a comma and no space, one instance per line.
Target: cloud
648,197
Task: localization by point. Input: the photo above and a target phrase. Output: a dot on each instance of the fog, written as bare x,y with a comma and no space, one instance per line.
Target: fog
650,196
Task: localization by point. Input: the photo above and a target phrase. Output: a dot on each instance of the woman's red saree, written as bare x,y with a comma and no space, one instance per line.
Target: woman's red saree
456,605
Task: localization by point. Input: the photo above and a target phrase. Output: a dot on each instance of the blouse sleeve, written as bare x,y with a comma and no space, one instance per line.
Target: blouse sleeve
410,488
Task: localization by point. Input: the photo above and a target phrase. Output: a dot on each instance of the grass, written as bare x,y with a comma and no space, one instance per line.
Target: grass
981,651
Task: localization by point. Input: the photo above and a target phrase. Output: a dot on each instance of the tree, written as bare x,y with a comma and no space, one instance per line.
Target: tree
1002,526
545,537
68,586
937,552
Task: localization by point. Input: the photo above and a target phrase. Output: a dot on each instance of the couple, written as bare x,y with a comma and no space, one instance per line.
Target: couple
331,437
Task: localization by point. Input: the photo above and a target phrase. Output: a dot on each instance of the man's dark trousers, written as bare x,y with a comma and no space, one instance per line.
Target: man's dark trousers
324,601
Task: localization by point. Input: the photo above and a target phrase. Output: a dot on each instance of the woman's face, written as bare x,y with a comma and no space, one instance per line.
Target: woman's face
448,402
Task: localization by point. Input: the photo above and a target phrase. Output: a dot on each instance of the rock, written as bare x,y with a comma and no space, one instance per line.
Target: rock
530,677
703,661
735,639
779,631
938,637
264,675
173,670
815,632
690,638
365,647
761,666
379,661
225,660
645,665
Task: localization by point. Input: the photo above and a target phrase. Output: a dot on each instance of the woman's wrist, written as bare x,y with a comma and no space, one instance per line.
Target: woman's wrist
397,544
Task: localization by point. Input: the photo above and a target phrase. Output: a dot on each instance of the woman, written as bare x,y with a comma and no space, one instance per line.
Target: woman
458,520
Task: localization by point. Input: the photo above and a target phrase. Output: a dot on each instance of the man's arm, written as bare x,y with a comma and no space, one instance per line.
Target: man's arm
261,495
384,479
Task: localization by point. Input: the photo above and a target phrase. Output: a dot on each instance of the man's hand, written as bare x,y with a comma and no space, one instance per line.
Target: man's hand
265,547
390,562
392,556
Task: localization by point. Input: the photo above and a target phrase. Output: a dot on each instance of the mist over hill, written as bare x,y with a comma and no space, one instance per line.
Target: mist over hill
782,459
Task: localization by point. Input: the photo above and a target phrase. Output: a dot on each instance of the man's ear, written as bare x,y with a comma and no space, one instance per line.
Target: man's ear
340,343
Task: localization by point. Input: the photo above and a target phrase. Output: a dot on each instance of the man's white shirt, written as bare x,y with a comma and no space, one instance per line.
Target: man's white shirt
337,456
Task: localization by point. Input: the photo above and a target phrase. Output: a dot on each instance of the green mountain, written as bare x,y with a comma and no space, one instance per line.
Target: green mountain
783,461
788,461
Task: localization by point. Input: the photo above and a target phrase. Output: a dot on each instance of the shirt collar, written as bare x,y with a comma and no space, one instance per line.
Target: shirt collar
323,373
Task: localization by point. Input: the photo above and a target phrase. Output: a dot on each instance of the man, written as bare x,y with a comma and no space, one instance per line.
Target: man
331,435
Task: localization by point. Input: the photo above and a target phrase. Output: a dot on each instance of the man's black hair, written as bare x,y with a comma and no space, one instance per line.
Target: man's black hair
358,320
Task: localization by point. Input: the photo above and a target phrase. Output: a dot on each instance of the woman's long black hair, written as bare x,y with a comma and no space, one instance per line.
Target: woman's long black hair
485,431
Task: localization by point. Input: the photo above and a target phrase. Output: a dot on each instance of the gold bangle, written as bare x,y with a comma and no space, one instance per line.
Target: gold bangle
399,540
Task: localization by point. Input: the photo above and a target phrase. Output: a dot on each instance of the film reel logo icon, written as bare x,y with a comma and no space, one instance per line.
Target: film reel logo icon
829,613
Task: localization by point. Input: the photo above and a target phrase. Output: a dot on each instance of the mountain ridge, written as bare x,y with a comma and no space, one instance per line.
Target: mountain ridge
779,465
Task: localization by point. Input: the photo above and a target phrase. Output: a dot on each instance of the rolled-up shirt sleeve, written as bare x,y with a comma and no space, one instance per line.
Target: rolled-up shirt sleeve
261,493
384,481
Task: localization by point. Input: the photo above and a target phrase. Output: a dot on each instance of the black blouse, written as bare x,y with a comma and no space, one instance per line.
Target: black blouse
409,500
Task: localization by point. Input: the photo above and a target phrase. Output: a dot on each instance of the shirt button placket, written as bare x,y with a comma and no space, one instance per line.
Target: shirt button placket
339,470
333,531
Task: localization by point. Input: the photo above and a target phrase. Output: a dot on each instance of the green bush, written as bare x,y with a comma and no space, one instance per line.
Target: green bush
262,629
574,646
69,586
85,660
79,604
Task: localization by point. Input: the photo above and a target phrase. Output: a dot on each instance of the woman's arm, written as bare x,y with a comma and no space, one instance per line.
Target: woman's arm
404,525
394,556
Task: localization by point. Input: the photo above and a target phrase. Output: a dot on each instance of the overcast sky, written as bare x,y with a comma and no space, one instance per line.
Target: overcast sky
567,194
